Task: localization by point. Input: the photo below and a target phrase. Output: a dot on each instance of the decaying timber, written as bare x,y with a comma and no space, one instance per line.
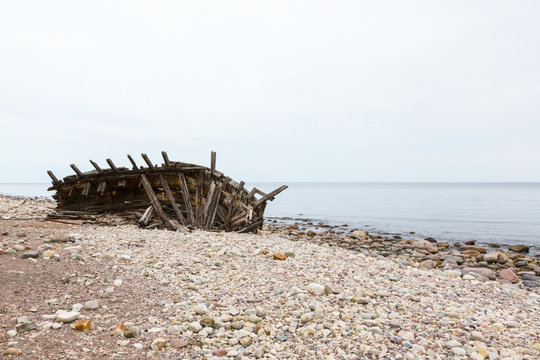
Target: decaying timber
174,195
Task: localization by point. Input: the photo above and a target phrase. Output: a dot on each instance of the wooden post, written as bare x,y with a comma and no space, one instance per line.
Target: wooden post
171,199
166,159
77,171
212,164
54,179
111,164
135,167
187,200
147,161
96,166
155,202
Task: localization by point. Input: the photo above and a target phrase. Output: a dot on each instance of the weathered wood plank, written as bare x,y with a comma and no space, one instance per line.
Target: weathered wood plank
212,163
169,194
111,164
187,200
270,195
96,166
213,207
135,167
147,216
166,159
77,171
147,161
155,202
53,178
207,203
252,226
198,201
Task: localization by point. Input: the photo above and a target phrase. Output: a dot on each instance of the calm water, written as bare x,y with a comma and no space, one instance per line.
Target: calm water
505,213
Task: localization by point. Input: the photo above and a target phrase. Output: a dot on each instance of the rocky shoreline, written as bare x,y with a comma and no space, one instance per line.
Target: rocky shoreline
511,266
85,291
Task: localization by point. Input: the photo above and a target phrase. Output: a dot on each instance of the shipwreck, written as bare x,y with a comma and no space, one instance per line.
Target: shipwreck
174,195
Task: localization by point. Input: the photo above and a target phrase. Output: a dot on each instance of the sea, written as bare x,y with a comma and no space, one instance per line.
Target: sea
490,213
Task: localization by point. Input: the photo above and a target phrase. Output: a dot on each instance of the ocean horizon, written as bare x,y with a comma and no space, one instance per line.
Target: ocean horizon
504,213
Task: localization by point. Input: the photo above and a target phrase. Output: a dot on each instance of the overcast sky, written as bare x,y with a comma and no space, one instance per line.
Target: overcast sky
282,90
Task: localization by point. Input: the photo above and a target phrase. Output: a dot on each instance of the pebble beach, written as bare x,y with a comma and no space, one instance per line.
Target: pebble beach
84,291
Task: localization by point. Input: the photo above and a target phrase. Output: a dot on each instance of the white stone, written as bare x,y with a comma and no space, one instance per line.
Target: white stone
200,309
117,282
452,274
68,316
316,289
195,327
91,305
459,351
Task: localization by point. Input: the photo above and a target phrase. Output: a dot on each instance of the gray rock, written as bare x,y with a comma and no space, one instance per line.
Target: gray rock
91,305
30,254
26,327
530,283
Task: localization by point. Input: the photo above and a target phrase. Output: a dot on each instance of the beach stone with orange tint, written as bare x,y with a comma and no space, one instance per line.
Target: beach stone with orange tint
278,256
83,325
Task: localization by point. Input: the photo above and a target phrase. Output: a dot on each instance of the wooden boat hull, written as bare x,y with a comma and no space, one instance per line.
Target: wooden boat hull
176,195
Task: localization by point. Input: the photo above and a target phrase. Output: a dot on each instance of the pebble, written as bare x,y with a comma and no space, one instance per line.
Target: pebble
91,305
246,341
200,309
130,333
459,351
67,316
195,327
12,351
316,289
30,254
26,327
83,325
117,282
158,344
178,343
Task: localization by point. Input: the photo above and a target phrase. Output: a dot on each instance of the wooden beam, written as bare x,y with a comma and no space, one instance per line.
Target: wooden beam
213,207
54,179
207,203
169,194
166,159
155,202
135,167
252,226
86,188
212,163
147,216
187,199
147,161
270,196
111,164
198,201
77,171
96,166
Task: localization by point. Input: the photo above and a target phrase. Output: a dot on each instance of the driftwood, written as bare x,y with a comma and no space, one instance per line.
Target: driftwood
174,195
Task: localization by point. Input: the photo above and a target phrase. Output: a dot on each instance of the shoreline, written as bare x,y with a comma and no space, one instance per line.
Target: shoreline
214,295
484,263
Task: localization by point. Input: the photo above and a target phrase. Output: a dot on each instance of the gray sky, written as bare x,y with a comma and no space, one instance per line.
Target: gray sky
282,90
